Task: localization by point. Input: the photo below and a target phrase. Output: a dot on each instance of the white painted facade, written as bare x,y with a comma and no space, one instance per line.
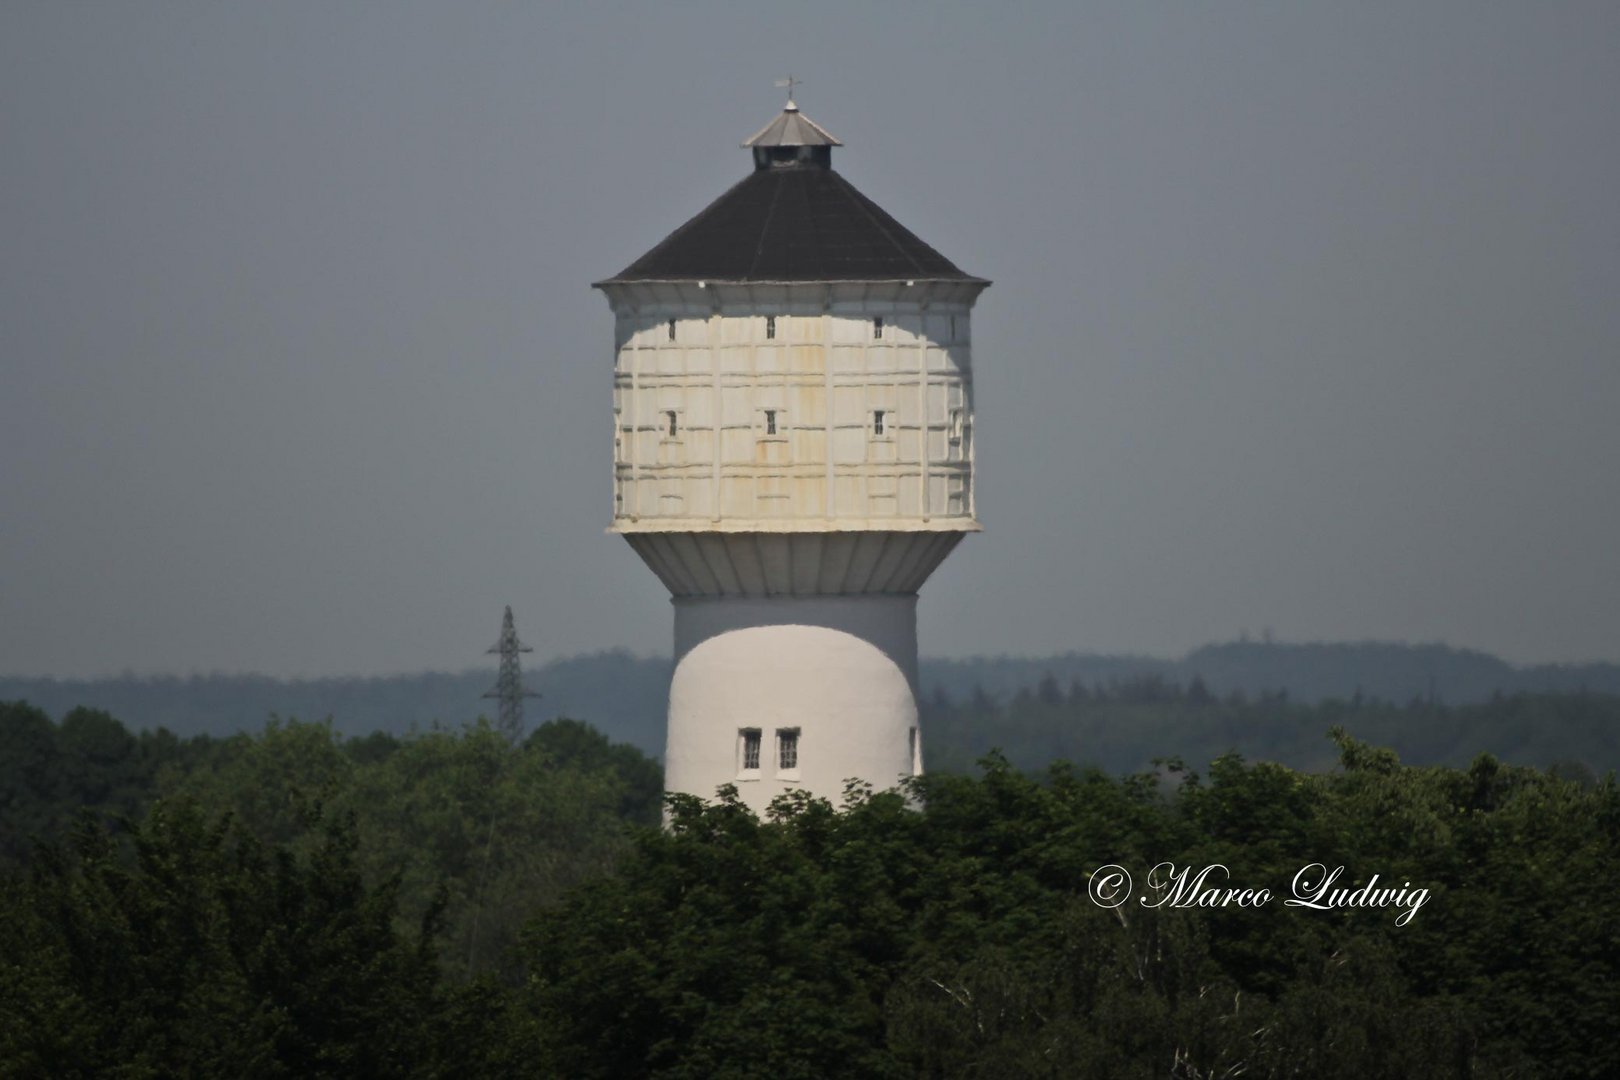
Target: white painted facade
809,406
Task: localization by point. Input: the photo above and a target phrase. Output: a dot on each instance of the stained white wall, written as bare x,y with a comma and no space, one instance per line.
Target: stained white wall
773,396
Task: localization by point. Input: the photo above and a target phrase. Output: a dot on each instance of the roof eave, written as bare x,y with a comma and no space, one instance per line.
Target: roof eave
715,295
964,279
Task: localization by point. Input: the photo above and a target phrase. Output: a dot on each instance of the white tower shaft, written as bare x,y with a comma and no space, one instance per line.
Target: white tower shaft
777,693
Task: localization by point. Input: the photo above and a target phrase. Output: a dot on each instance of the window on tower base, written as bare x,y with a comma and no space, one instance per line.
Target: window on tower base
787,753
748,741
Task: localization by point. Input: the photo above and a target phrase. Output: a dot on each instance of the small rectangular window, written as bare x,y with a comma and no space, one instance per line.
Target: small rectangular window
956,423
787,749
877,326
770,327
672,329
877,422
953,327
750,749
770,421
672,423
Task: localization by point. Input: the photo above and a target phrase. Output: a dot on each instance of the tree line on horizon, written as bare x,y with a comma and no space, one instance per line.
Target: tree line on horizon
625,696
1123,724
90,759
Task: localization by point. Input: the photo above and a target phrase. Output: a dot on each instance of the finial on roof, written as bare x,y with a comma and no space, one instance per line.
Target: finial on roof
792,138
790,82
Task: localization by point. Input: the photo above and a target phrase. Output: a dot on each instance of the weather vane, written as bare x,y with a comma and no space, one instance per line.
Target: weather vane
790,82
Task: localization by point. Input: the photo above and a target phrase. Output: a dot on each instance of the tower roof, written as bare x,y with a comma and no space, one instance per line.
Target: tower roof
793,219
792,128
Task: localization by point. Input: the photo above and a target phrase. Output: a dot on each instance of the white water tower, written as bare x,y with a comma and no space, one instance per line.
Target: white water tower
793,456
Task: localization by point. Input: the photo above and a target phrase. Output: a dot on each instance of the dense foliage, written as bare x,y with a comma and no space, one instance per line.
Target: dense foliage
497,829
961,940
194,950
449,904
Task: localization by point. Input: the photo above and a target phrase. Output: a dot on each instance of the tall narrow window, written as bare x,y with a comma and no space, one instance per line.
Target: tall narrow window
749,756
787,749
877,326
770,327
673,429
956,423
878,417
672,329
953,327
770,421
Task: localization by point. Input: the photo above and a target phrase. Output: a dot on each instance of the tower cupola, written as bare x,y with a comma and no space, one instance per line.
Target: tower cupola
791,140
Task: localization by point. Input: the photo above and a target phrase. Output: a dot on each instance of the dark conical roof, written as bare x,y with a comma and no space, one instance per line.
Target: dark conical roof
792,220
796,224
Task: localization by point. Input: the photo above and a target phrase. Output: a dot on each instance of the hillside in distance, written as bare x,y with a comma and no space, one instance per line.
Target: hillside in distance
624,695
1309,672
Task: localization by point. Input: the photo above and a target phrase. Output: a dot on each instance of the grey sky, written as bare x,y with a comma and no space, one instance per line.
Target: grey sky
1306,316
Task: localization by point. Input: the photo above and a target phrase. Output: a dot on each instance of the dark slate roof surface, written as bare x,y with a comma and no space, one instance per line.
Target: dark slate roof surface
801,223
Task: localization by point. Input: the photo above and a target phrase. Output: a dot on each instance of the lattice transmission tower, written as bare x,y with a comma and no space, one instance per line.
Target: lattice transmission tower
508,688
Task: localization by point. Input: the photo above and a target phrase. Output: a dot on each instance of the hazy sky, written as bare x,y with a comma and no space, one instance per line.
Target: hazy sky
1306,315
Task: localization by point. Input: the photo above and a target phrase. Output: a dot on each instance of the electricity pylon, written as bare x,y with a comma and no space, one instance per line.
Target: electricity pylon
508,688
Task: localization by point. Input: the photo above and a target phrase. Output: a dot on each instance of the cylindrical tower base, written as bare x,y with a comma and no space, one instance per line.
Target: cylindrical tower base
777,693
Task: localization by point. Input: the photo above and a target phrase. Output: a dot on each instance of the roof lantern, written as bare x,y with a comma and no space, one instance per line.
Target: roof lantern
792,139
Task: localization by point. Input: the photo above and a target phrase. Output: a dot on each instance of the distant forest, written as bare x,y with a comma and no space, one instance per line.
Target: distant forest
1268,701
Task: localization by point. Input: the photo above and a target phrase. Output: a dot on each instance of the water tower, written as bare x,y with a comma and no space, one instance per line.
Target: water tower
793,456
